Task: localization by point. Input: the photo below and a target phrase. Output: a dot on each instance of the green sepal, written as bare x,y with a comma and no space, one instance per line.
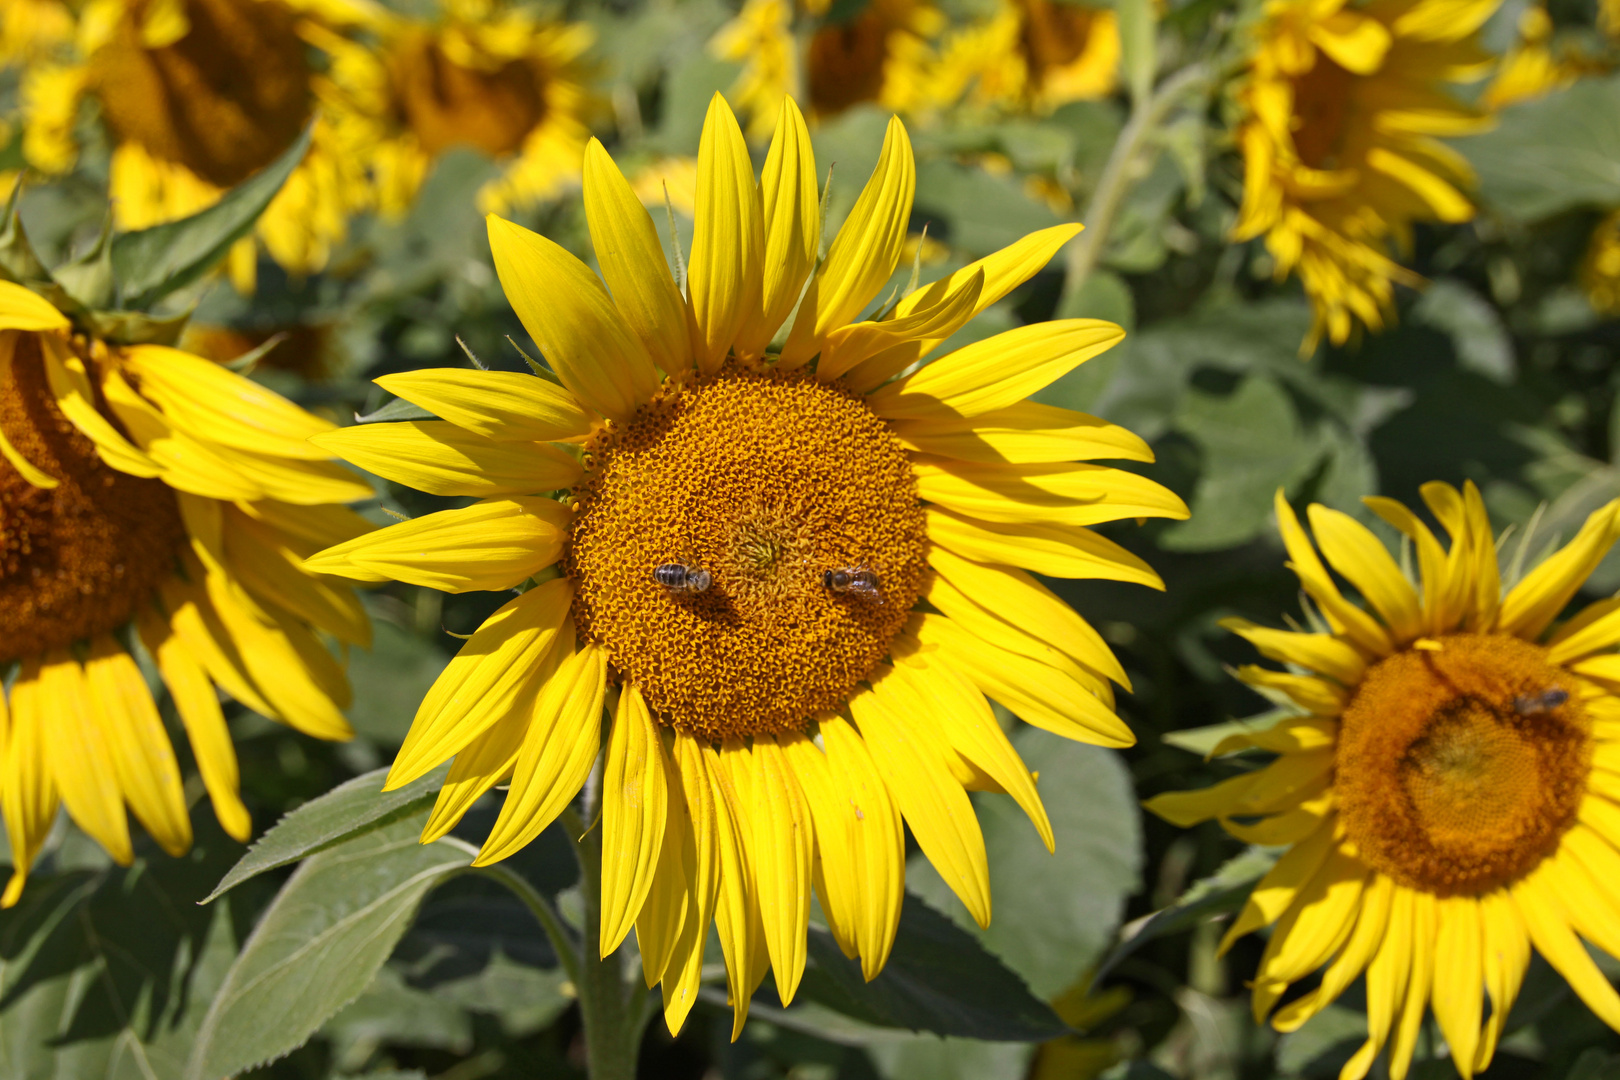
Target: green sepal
89,278
137,327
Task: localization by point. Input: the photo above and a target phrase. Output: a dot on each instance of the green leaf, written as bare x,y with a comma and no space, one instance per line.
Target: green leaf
1550,155
948,1059
984,212
1478,336
392,1012
352,808
108,973
152,263
391,679
1053,914
319,944
89,278
1222,893
937,979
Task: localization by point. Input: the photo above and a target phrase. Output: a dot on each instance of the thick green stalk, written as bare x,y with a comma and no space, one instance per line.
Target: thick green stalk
612,1023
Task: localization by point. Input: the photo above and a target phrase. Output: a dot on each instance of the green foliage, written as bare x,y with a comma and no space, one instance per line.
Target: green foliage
1547,156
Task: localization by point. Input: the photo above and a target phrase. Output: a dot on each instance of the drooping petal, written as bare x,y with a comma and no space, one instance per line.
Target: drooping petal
28,792
77,755
142,758
1351,961
271,570
572,319
1459,987
1276,891
1387,977
737,919
784,843
1316,924
75,396
635,804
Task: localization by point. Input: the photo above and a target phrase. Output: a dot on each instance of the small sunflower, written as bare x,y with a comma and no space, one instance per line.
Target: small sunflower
1449,792
792,577
1600,269
1341,108
1533,68
880,56
150,495
1032,55
484,75
196,96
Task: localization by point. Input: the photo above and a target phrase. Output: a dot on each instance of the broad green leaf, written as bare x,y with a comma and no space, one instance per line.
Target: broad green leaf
391,1012
319,944
937,979
353,807
152,263
949,1059
1478,336
107,973
1553,154
1052,915
985,212
390,680
1222,893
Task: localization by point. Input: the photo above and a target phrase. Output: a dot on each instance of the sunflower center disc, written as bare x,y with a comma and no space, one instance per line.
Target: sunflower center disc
223,100
449,104
766,482
1458,769
76,559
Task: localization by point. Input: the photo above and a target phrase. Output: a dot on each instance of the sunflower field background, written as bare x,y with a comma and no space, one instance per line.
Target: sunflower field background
1355,247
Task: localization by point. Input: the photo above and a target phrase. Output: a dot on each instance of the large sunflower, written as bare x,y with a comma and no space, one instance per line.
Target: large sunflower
197,95
148,495
1032,54
484,75
881,56
792,577
1341,108
1450,790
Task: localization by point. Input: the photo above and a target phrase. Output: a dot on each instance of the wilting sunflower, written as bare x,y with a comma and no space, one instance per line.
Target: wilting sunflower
1033,54
880,56
197,95
792,577
484,75
1449,793
1600,269
148,495
1342,105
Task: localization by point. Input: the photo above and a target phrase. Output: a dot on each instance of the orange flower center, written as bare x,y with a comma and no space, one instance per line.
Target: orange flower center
767,482
846,62
1322,108
76,559
1458,769
223,100
447,104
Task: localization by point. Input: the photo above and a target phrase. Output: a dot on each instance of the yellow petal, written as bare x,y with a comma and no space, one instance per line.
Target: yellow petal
1276,891
1308,692
863,255
1418,988
1291,735
934,804
491,545
1387,979
1322,653
500,405
1548,924
197,702
1459,987
269,569
569,315
658,925
736,915
1019,599
23,309
28,791
77,755
481,683
633,264
1189,808
35,476
75,396
635,803
1351,961
1054,494
1313,928
728,239
1345,618
1447,203
188,465
1543,593
441,458
142,757
996,372
1355,552
1505,963
784,844
302,483
208,641
1062,551
214,403
702,876
1021,434
1440,612
792,218
559,749
851,345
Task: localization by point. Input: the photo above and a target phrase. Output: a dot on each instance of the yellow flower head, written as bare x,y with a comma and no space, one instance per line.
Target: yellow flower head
1600,269
143,487
734,543
1342,105
1033,54
1449,791
197,95
881,56
484,76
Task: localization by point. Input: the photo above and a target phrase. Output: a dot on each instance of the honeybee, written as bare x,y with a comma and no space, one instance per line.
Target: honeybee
679,578
1546,701
860,580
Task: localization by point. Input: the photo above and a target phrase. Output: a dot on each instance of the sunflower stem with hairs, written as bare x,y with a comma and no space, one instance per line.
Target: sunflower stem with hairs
771,733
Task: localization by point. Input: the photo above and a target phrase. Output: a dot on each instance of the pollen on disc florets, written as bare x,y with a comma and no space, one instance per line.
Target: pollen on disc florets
1459,768
76,559
766,481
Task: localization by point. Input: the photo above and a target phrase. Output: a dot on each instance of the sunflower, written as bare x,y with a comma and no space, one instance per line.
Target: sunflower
483,75
196,96
1341,107
881,55
792,578
148,495
1449,791
1600,269
1031,55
